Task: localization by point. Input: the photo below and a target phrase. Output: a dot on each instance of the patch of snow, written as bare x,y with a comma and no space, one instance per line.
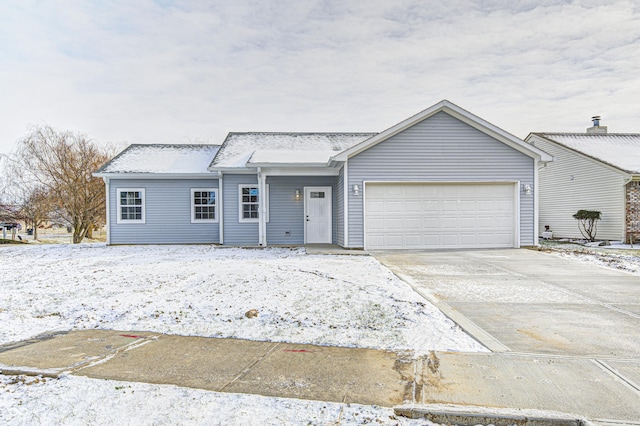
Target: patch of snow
617,255
73,400
620,150
239,147
162,159
350,301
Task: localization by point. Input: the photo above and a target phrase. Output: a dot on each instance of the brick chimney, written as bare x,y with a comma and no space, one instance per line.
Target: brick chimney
596,128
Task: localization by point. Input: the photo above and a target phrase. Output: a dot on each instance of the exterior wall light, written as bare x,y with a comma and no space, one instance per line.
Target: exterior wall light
297,195
356,190
527,189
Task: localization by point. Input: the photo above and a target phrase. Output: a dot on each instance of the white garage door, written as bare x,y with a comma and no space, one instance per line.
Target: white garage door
423,216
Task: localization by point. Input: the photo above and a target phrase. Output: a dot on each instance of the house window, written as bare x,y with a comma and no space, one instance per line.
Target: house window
204,205
249,208
130,205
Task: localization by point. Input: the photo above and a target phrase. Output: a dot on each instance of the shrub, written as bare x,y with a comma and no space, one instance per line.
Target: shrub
588,223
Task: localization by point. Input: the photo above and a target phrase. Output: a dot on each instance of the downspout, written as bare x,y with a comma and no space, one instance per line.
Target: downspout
220,209
107,204
536,226
626,180
262,216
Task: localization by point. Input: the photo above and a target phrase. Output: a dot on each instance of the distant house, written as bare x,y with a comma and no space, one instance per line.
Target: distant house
596,170
443,178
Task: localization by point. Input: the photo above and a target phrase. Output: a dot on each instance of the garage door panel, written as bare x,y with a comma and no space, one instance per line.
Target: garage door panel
448,206
449,223
468,223
432,215
412,224
413,241
412,206
467,207
430,206
468,239
431,222
375,224
450,240
395,240
394,207
395,224
375,206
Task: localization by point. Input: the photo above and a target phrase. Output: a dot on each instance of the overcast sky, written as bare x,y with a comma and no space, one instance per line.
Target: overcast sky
184,71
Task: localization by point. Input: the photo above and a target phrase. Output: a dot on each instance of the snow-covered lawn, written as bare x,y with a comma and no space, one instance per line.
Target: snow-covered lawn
204,291
616,256
79,401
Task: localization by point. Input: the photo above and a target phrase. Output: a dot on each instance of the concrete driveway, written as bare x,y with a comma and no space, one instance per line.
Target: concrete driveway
527,301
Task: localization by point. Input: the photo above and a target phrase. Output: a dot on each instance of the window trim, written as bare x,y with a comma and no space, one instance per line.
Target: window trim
266,199
119,206
216,211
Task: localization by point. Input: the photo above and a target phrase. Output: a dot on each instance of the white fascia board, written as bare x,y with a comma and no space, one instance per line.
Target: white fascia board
272,170
626,175
301,171
156,175
234,170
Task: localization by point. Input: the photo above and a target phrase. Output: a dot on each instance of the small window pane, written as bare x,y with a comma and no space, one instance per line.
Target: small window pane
317,194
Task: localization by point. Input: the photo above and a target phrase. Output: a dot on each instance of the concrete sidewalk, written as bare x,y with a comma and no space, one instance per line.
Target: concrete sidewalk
577,386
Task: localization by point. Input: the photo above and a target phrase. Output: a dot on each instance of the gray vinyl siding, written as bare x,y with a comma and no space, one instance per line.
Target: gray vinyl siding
571,183
339,209
286,214
236,232
440,148
167,213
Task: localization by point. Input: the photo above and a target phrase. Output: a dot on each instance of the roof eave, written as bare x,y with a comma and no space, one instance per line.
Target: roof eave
154,175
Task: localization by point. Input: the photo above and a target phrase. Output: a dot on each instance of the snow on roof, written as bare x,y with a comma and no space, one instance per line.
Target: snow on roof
239,149
621,150
162,159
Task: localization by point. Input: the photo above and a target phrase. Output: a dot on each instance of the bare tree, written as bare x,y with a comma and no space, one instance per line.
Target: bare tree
59,164
36,206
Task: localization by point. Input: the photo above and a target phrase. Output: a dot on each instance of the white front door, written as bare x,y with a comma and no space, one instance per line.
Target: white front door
317,215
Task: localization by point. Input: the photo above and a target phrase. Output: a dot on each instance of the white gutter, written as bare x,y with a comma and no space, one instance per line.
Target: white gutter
107,207
155,175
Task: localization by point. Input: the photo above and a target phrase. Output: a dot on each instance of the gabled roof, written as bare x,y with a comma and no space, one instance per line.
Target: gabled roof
619,150
456,112
160,159
240,150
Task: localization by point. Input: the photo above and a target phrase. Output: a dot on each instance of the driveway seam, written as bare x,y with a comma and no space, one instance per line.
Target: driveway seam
245,371
618,375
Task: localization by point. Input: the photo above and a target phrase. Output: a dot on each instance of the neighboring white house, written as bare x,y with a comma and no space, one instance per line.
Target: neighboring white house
595,170
443,178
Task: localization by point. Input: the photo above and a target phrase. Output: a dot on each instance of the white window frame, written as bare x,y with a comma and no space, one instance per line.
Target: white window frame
216,210
266,199
122,221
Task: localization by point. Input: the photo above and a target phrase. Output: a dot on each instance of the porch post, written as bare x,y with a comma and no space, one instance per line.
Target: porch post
262,207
